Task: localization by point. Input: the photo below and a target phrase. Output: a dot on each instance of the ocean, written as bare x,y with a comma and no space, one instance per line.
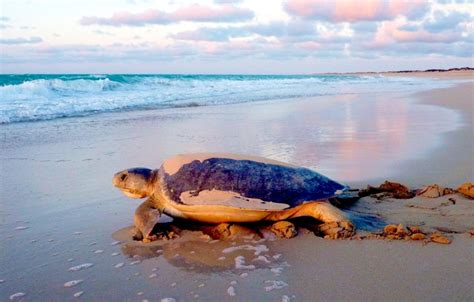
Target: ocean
28,98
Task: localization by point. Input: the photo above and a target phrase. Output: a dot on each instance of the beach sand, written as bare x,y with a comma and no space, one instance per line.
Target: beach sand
62,220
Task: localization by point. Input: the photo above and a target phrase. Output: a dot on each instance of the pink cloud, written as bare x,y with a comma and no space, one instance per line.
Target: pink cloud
391,32
354,11
425,37
232,47
193,12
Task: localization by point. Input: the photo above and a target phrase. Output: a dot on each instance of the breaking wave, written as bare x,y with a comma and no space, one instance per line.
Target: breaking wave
41,97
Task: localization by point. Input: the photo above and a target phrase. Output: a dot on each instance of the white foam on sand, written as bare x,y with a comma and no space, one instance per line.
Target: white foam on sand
258,248
73,283
80,267
231,291
17,296
277,270
262,258
275,284
78,294
240,263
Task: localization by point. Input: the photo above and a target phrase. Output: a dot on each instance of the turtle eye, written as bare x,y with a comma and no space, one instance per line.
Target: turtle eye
123,177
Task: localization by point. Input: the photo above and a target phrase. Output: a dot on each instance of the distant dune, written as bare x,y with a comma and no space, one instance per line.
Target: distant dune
464,71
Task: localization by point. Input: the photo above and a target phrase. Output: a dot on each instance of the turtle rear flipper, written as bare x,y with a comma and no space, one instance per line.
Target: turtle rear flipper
335,223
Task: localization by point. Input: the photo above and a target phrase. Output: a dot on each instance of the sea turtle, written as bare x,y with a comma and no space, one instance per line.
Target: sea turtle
217,188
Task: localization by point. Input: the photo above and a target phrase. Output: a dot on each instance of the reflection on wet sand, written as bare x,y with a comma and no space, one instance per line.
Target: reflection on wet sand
336,141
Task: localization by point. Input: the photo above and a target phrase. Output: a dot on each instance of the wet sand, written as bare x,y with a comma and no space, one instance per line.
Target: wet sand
59,210
453,160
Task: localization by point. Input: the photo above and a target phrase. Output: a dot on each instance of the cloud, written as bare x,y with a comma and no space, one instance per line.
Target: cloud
193,12
292,28
420,50
409,27
227,1
272,29
12,41
300,28
422,36
77,53
211,34
4,22
223,13
104,33
446,21
394,37
356,11
126,18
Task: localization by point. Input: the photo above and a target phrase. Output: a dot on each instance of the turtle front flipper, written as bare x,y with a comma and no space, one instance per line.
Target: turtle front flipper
145,218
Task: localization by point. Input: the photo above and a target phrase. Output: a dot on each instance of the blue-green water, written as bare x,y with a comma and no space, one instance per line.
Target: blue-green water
25,98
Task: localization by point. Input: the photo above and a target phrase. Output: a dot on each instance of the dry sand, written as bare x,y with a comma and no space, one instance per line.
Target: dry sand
59,211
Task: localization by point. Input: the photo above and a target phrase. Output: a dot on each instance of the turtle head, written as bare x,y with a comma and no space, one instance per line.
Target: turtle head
136,182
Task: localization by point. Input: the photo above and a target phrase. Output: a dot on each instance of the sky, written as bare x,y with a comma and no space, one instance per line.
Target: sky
232,36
